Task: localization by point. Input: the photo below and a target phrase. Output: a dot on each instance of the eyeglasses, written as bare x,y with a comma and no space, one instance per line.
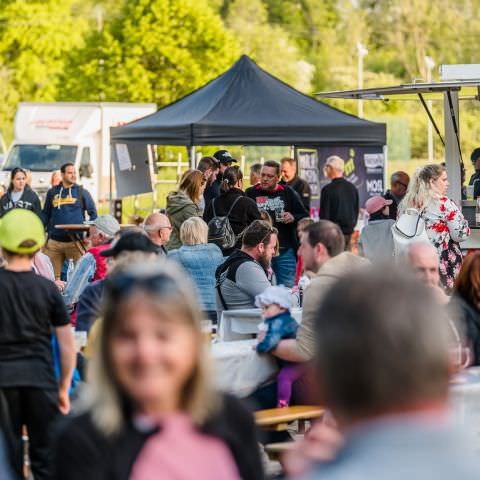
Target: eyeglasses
403,184
122,284
169,227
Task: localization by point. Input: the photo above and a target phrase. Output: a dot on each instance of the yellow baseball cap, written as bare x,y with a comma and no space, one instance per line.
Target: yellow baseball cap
21,231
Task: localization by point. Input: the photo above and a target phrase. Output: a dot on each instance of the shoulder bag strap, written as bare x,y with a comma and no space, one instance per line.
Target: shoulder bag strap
233,204
213,207
222,300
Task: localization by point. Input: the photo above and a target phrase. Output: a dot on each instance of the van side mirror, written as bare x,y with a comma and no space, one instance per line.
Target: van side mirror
86,170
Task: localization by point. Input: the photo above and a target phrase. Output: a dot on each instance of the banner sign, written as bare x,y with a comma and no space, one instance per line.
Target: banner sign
308,170
364,167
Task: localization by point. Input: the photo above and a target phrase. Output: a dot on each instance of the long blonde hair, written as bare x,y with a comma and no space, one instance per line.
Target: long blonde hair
420,193
105,398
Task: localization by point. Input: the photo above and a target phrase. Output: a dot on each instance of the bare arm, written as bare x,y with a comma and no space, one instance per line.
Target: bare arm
68,358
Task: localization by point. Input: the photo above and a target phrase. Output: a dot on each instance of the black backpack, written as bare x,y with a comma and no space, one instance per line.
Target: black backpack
220,231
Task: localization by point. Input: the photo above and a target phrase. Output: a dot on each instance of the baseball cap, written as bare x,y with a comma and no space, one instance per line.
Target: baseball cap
376,203
21,231
276,294
107,224
223,156
131,242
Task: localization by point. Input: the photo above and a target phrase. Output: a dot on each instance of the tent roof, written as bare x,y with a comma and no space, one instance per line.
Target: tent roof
248,106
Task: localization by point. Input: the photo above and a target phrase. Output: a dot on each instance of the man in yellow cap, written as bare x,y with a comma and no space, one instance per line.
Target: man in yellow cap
30,309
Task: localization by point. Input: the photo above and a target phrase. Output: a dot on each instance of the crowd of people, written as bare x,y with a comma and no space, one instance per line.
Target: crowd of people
380,333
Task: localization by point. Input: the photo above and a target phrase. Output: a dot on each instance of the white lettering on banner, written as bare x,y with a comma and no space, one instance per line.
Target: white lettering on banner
373,160
375,186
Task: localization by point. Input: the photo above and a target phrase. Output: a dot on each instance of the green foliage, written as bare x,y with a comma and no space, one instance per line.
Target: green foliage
248,19
159,50
35,37
155,51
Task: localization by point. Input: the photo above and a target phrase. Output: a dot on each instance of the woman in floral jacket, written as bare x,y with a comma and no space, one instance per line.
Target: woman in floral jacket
445,224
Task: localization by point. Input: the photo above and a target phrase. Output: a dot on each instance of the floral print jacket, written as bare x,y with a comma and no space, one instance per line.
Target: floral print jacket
446,226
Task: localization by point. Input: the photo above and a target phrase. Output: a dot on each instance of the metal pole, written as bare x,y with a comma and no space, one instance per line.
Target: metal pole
192,157
429,64
452,153
362,52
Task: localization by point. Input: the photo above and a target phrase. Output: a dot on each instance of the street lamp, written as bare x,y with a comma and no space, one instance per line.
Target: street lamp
429,64
362,52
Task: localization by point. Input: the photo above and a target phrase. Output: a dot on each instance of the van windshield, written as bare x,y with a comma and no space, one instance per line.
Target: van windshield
40,158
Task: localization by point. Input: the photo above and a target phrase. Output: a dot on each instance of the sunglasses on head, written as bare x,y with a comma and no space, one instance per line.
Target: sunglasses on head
123,284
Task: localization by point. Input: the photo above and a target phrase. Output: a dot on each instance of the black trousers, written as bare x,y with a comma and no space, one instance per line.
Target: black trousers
37,409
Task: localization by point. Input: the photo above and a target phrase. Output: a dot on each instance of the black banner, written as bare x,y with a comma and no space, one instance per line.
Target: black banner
364,167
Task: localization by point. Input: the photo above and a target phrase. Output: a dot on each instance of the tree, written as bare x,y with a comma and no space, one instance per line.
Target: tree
269,45
155,51
35,37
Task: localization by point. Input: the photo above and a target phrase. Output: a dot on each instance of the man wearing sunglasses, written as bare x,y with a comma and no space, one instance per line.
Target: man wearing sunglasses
158,228
398,188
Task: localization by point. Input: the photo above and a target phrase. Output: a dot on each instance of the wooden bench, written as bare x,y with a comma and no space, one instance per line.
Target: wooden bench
279,419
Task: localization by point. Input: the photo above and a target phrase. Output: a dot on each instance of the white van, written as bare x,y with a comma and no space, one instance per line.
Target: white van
47,135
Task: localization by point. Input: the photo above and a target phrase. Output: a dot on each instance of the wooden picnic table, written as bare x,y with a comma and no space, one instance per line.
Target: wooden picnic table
280,418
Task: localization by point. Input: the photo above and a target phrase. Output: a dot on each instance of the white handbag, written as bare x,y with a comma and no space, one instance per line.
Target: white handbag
409,228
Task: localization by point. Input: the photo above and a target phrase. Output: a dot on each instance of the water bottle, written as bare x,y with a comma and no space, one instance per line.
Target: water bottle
70,269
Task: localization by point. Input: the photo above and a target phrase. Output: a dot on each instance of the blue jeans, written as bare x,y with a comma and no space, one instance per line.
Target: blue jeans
284,267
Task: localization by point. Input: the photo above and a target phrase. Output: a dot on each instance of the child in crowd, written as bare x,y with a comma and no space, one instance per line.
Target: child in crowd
278,324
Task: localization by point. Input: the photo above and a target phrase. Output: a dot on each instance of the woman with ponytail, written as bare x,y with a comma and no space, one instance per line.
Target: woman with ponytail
243,213
444,222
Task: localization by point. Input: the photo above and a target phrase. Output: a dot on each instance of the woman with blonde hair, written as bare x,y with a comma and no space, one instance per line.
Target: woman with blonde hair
183,204
151,411
200,260
444,222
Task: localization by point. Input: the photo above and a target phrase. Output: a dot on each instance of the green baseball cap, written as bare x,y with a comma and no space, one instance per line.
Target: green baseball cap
21,231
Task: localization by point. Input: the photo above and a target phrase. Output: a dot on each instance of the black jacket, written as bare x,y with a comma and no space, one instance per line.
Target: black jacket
393,208
302,188
83,453
469,319
339,203
282,199
28,201
243,213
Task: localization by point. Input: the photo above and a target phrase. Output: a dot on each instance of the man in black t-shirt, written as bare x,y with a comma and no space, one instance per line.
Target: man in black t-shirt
31,308
339,200
285,209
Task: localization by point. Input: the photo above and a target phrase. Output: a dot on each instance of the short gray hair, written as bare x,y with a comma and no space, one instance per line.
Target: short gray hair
382,341
194,231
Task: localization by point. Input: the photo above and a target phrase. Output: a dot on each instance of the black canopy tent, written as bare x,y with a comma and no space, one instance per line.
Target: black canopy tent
248,106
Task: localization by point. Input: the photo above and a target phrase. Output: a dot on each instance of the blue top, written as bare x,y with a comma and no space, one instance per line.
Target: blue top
89,304
279,326
66,206
200,261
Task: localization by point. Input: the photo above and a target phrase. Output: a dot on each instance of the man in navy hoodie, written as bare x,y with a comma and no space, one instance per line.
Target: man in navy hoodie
65,204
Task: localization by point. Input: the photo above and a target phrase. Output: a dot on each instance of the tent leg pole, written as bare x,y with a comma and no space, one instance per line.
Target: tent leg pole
192,157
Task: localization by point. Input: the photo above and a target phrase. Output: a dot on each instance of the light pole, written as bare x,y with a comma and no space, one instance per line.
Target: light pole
362,52
429,64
